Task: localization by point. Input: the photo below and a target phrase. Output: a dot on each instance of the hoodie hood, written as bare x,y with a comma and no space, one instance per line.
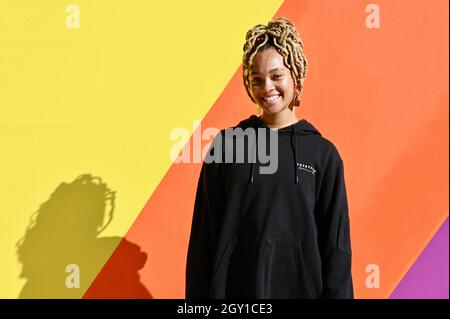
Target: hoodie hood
302,127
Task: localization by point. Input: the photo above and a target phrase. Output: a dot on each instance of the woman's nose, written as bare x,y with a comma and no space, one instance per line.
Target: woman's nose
268,85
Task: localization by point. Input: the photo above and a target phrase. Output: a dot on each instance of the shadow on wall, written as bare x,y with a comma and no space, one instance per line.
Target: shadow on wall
61,253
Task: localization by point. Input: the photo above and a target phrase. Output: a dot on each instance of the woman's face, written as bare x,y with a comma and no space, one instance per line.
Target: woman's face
271,83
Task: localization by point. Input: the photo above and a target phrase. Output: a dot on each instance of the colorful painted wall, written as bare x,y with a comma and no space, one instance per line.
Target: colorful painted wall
92,91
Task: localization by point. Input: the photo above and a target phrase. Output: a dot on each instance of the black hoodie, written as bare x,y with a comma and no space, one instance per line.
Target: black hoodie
280,235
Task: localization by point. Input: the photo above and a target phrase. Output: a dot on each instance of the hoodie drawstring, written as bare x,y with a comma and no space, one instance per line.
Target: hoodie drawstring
253,164
294,147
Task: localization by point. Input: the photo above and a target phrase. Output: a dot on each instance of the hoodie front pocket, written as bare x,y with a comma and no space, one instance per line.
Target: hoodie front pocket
219,275
284,275
225,257
301,266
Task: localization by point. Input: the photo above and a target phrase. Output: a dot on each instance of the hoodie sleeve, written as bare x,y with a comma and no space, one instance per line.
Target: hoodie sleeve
202,238
334,231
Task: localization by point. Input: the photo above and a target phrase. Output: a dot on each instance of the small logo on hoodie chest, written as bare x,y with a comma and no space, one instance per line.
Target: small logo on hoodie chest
306,167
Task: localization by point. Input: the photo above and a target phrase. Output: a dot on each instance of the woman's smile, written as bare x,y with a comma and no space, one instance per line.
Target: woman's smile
271,99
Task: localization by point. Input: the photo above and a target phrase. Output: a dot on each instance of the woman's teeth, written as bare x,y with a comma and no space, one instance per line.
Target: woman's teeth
272,98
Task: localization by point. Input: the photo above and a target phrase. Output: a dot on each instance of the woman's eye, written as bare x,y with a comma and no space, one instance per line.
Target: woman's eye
258,81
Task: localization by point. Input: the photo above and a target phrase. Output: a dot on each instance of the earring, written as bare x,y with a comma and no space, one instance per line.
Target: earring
297,100
258,109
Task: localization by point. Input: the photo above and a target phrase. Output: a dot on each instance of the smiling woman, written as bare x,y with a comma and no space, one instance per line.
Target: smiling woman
283,234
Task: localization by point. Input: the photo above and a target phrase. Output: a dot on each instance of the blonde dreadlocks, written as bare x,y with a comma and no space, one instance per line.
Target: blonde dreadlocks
281,35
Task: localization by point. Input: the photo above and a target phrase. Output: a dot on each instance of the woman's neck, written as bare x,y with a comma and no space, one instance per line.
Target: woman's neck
276,121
